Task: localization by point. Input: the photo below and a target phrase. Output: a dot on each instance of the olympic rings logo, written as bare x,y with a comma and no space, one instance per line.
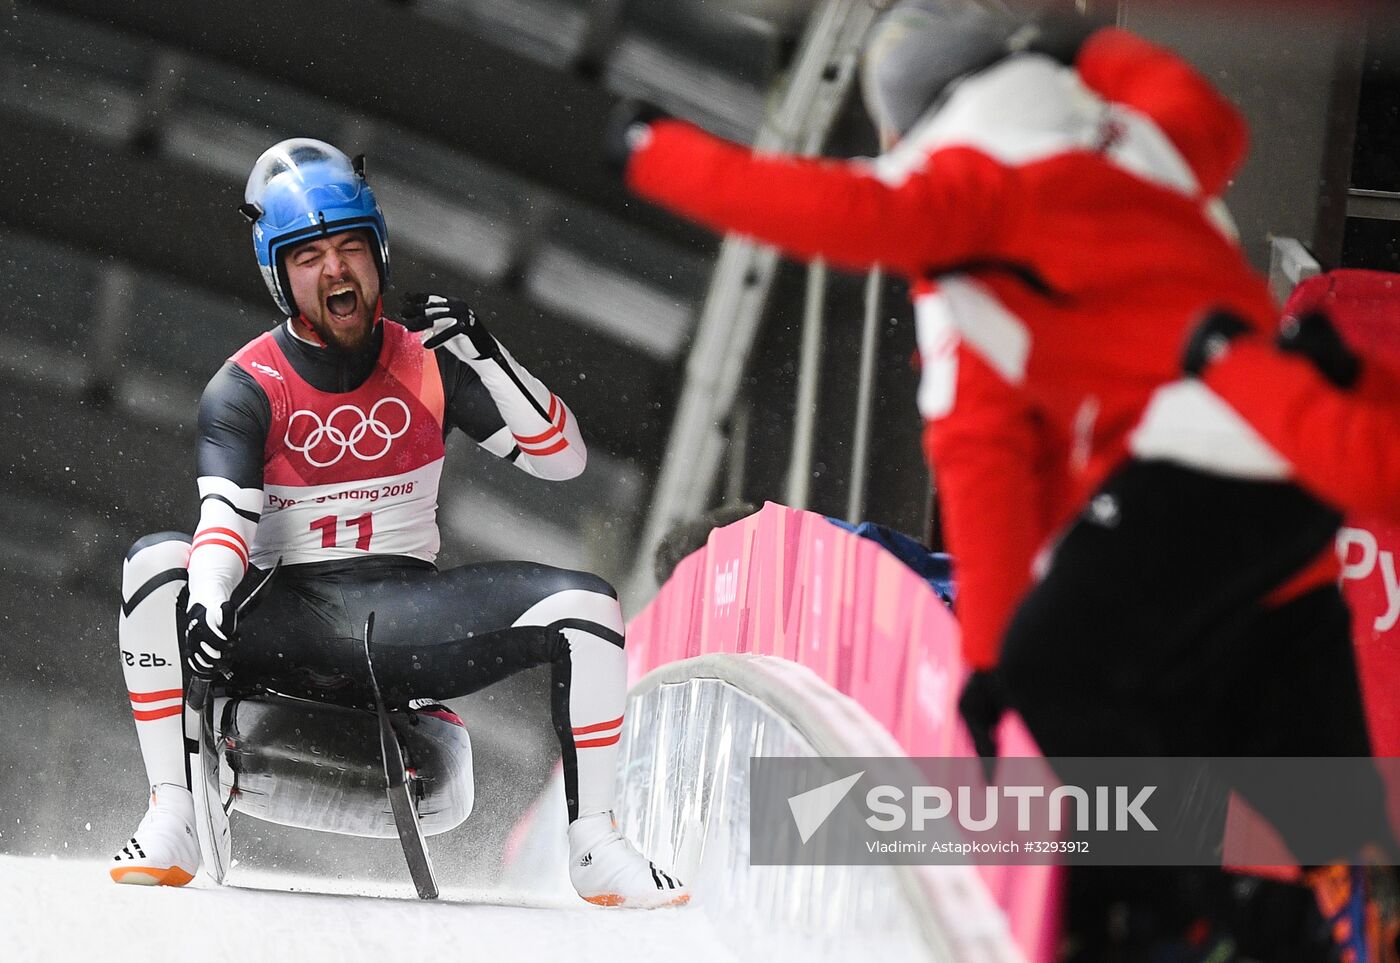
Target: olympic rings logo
329,433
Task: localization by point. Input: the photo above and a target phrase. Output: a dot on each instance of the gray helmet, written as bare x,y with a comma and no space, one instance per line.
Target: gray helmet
919,47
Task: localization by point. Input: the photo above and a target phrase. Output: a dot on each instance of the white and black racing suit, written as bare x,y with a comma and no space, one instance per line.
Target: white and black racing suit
330,462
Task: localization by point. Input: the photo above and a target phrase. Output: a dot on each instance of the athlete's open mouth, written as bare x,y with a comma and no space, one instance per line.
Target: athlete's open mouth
342,303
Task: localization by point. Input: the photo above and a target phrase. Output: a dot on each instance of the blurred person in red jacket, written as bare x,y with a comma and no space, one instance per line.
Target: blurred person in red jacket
1056,209
1062,234
1002,469
1009,228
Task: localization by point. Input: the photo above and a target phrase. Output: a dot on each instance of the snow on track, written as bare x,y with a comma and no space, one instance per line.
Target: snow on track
69,910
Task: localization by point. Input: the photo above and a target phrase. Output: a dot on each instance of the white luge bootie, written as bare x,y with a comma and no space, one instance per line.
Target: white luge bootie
164,850
607,870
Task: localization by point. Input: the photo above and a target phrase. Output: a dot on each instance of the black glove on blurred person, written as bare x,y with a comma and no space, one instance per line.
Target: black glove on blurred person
1313,337
982,705
1211,339
628,127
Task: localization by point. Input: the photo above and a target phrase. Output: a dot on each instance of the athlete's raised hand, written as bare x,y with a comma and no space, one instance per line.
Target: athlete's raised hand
209,635
448,321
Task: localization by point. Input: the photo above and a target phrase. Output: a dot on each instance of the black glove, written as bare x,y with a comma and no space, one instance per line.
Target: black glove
628,125
445,319
982,705
209,635
1211,339
1313,336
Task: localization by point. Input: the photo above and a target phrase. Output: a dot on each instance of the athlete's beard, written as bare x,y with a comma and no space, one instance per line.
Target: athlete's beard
350,339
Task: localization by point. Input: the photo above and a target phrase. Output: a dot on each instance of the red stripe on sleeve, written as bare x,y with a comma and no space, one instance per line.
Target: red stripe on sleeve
535,439
225,543
559,445
554,411
222,531
598,743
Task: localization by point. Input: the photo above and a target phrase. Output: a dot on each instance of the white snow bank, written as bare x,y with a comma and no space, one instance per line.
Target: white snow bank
69,910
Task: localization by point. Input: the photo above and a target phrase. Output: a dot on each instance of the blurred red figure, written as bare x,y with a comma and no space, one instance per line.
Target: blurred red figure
1086,303
1341,433
1057,213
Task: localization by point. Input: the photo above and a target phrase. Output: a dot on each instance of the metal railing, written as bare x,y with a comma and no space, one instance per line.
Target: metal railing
820,79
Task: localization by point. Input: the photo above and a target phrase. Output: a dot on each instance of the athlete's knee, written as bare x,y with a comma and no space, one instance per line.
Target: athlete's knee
153,554
154,562
596,610
569,580
571,600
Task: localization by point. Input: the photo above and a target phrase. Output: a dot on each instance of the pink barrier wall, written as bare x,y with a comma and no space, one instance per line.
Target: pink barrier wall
789,583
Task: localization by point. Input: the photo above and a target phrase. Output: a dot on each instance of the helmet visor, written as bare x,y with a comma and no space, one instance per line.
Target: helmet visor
297,176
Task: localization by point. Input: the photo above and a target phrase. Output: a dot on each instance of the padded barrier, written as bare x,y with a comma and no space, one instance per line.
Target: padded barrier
788,583
691,729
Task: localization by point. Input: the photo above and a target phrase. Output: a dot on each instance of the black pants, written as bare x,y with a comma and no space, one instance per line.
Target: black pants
1148,635
437,635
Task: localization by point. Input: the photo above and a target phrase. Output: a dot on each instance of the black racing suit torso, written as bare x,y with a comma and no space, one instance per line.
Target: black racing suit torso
295,440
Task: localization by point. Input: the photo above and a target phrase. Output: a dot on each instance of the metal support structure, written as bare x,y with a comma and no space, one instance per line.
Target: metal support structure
817,85
1379,205
809,376
165,82
865,398
1334,200
738,452
599,34
116,296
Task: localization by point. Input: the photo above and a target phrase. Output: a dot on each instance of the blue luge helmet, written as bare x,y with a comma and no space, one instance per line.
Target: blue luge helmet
301,189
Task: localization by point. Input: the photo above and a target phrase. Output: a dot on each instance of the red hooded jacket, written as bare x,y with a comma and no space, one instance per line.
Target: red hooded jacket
1061,232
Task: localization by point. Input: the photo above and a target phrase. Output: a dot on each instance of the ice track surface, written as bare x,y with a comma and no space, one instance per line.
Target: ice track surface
53,910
